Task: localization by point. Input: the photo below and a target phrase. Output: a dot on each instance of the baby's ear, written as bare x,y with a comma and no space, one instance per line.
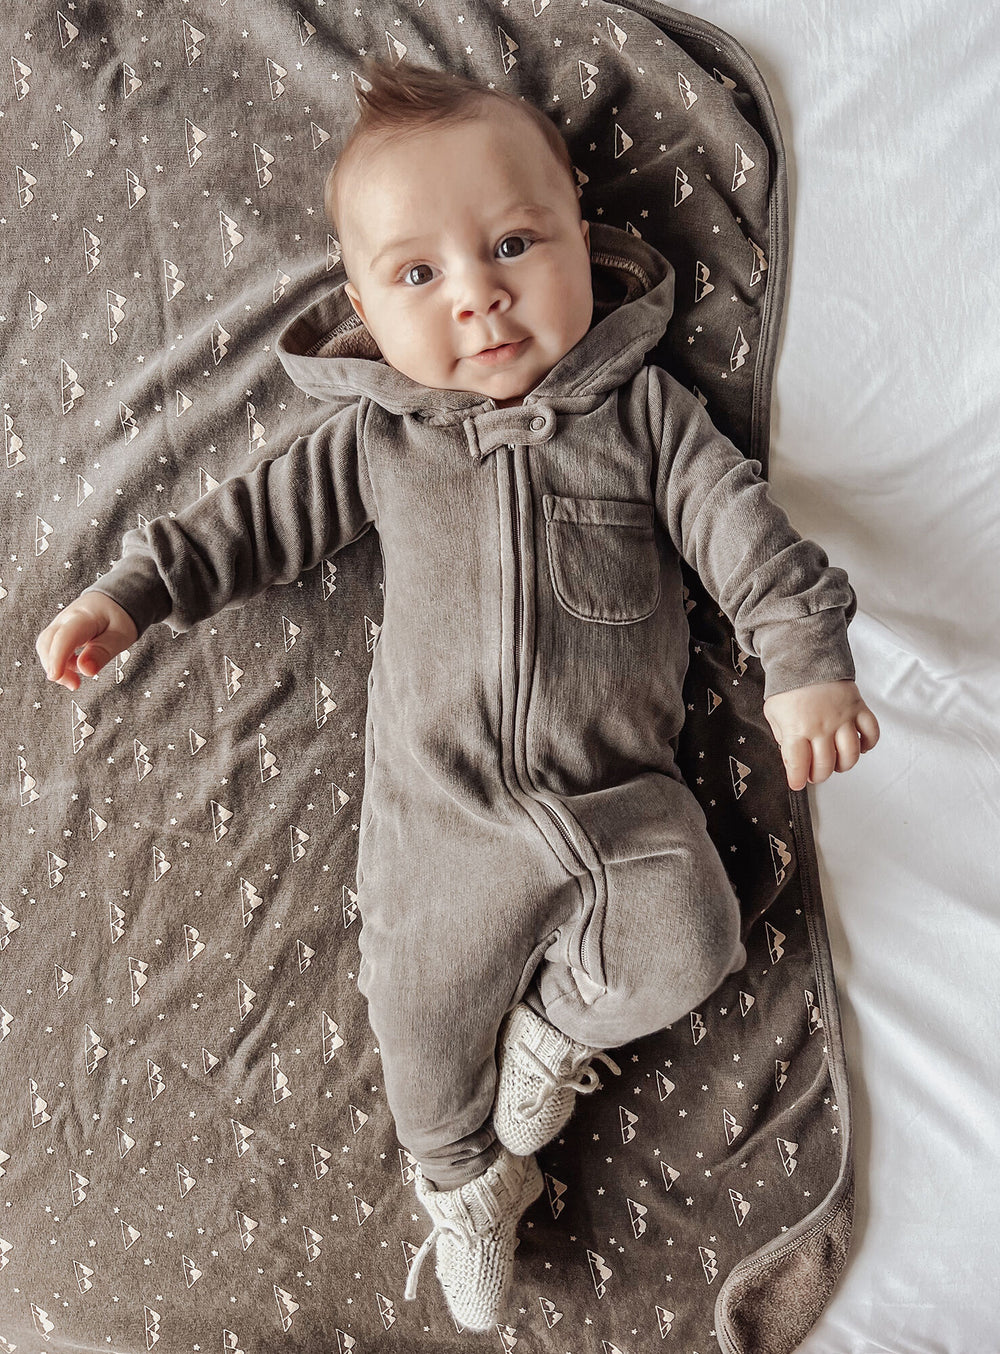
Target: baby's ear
352,294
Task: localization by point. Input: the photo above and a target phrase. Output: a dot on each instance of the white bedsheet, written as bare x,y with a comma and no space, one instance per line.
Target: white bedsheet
886,448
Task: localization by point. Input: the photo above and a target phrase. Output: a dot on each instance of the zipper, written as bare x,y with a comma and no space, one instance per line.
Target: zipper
518,583
515,531
570,845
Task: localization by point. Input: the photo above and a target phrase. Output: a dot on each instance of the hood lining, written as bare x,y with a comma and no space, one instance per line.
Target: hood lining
347,326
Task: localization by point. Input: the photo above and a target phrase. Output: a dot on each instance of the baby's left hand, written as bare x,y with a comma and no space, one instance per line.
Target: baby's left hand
820,729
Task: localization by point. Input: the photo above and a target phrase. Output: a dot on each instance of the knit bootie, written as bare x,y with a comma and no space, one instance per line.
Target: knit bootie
540,1072
474,1231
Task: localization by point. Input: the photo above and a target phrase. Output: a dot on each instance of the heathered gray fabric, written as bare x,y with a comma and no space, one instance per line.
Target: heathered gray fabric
184,1048
610,471
525,694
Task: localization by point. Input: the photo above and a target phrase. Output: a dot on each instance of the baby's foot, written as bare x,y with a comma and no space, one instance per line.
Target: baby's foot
540,1072
474,1231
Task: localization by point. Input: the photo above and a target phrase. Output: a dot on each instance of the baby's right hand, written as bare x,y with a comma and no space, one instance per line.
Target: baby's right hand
83,637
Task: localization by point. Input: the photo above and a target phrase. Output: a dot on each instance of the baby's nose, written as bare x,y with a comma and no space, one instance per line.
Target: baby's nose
481,294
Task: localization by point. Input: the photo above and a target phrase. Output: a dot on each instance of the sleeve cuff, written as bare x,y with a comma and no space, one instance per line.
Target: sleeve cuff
137,587
805,652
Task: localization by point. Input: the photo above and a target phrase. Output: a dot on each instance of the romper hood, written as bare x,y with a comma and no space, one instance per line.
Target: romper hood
329,353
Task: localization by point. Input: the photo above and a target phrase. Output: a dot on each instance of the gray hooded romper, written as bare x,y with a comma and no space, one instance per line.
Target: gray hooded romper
525,833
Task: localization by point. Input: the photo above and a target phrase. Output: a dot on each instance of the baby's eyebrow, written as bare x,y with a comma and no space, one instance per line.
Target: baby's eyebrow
528,209
392,247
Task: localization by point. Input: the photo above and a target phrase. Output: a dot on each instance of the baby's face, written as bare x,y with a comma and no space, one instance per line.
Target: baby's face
462,238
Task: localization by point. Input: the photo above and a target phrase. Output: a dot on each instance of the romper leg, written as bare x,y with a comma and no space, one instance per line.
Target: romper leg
669,934
444,957
436,1041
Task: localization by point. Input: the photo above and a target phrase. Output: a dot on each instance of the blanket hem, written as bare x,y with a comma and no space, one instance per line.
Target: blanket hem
822,1236
774,293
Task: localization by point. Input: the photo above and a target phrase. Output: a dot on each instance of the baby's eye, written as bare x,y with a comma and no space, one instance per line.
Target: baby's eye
418,268
521,244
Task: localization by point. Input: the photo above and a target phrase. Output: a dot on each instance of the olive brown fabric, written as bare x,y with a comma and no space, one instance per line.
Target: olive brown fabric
195,1142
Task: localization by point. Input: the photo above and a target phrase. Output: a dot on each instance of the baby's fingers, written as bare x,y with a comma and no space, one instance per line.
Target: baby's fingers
92,657
824,759
61,665
53,647
58,643
868,729
796,753
848,749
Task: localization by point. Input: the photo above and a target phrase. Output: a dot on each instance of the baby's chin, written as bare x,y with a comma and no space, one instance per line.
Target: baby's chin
504,397
502,394
503,387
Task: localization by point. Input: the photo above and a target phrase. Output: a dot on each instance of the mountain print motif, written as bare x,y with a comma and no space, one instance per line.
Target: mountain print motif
195,1148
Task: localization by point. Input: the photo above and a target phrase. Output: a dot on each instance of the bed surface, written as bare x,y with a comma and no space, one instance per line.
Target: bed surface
885,446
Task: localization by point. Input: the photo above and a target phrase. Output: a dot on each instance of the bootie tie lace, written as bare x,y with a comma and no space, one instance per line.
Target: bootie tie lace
540,1073
474,1233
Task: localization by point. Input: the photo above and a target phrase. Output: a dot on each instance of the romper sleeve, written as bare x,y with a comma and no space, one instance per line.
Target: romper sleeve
788,605
266,526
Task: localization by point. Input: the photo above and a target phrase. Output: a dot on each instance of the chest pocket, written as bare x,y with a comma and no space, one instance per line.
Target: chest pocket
603,561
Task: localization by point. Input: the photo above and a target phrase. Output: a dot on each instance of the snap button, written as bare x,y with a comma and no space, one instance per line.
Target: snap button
537,424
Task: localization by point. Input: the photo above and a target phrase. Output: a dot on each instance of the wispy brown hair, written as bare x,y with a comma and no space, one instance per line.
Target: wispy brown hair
405,97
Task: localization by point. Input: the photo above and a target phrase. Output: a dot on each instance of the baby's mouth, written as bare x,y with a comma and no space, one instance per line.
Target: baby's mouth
503,352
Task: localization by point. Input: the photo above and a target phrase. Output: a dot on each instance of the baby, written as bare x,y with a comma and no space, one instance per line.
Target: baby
528,845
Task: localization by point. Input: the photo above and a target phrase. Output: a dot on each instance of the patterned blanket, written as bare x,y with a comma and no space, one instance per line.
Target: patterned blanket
195,1150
